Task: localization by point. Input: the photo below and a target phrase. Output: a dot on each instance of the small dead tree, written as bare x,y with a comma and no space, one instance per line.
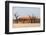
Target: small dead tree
16,18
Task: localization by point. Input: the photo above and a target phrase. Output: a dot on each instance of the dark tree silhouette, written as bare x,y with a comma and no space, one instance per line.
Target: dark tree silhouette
16,18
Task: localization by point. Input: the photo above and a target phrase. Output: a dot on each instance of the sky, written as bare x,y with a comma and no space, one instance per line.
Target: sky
26,11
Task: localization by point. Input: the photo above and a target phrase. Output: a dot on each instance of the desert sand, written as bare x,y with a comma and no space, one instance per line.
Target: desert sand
15,25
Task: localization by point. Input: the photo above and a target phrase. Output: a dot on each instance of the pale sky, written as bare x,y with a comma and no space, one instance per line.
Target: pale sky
24,11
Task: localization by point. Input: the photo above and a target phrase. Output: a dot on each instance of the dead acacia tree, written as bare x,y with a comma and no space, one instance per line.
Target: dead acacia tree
16,18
